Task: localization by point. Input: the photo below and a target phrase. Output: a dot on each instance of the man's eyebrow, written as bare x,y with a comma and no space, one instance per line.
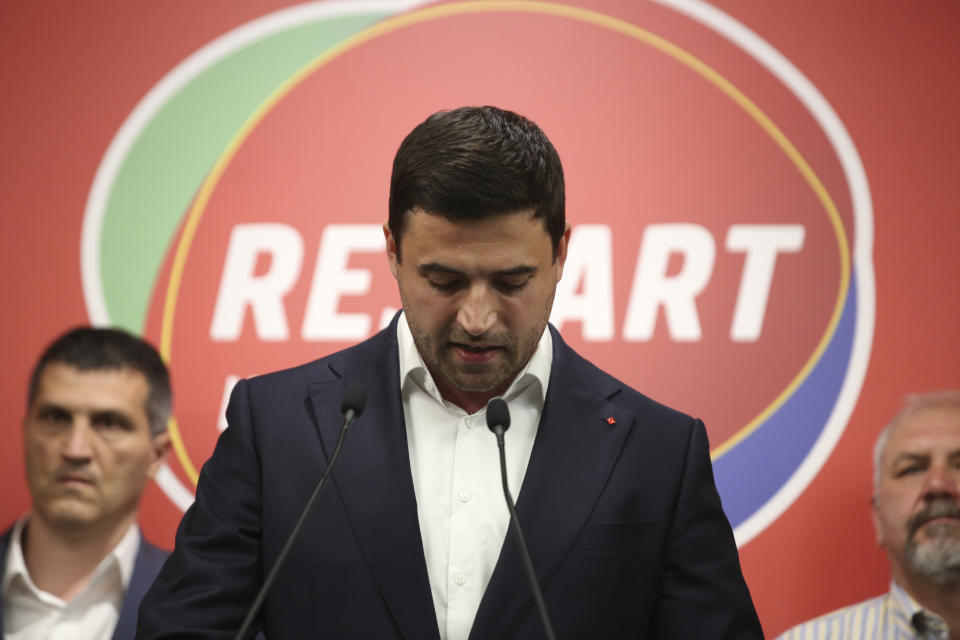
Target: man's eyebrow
522,270
47,406
112,414
436,267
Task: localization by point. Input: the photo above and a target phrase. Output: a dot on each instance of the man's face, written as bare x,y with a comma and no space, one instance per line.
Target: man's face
88,447
917,506
477,296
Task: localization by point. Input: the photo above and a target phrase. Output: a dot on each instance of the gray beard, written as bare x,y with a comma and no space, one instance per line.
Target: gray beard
938,559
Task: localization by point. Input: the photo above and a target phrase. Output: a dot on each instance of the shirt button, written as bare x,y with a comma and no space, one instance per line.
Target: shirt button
460,579
464,496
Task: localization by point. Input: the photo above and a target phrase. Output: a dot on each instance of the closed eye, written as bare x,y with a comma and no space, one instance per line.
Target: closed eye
446,286
511,287
909,469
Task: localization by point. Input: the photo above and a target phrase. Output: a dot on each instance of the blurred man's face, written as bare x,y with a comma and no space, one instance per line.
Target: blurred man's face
88,447
477,297
917,506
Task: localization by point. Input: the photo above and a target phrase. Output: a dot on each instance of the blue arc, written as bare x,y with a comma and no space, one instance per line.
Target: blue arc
755,469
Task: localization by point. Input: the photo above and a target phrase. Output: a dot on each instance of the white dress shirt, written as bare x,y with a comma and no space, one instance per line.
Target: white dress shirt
455,464
30,613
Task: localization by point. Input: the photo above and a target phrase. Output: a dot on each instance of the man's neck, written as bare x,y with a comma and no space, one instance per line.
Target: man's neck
63,562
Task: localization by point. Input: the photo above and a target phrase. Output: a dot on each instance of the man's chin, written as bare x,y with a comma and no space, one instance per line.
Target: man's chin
476,377
936,555
70,514
467,385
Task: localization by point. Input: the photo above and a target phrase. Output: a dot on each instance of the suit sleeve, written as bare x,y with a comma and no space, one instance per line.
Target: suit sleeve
212,576
702,593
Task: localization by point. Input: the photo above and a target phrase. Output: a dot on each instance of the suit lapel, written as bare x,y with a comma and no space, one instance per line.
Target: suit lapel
374,481
572,457
4,543
127,622
147,565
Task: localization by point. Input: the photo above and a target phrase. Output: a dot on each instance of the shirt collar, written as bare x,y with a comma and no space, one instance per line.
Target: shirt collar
414,371
918,618
14,564
123,556
126,553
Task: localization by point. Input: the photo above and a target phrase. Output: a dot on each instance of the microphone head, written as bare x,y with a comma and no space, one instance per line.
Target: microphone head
497,414
354,398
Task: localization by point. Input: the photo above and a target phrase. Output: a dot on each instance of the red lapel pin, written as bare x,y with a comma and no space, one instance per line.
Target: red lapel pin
611,421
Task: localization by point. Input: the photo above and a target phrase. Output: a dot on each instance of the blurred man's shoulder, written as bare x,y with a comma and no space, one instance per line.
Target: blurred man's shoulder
865,620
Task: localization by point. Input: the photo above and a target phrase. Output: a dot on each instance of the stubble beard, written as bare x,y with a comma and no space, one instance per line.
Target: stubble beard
67,513
476,377
435,350
66,508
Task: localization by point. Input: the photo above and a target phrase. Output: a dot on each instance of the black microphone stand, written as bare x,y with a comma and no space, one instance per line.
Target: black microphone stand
354,399
498,420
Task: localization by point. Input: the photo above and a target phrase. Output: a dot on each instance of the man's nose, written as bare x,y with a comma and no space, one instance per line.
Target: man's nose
77,445
941,480
478,310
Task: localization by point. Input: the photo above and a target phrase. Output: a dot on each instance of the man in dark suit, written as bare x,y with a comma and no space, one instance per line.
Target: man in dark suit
96,430
616,494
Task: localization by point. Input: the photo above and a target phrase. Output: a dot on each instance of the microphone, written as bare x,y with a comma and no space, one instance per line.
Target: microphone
498,421
498,417
351,406
353,402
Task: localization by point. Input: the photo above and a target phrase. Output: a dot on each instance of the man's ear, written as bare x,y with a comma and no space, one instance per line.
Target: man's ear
161,447
875,517
561,257
392,258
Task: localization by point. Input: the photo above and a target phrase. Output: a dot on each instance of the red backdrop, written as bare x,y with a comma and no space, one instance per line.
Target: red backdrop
74,72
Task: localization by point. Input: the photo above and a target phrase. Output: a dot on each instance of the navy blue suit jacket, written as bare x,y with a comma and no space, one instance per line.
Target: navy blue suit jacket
621,517
145,569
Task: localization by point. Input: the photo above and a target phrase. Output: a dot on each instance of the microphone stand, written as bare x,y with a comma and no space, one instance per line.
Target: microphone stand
350,412
498,429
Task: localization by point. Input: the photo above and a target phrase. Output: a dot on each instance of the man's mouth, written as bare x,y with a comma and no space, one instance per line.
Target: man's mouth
940,519
941,512
475,352
475,347
74,479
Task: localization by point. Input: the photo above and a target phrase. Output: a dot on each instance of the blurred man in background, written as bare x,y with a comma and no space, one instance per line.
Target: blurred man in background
95,431
916,513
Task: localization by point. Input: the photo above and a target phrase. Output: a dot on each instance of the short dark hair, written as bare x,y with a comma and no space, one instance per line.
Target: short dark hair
92,348
476,162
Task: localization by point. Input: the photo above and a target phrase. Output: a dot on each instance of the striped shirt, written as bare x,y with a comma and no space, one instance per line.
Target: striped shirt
892,616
